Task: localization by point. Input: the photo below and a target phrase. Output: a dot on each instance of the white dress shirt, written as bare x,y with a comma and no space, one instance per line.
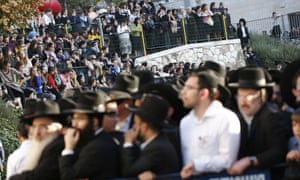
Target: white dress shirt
124,126
16,159
243,32
211,143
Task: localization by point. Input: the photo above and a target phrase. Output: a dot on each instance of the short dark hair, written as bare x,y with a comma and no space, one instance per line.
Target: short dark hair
23,129
207,80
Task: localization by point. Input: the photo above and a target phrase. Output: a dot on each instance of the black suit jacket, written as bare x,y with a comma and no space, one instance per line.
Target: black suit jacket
159,156
99,159
267,139
47,168
240,33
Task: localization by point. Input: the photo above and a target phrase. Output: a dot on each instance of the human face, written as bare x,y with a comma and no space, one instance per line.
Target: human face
249,101
111,118
139,125
190,92
39,128
80,121
296,90
296,129
276,96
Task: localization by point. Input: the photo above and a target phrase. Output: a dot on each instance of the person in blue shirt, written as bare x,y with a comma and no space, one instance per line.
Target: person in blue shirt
294,142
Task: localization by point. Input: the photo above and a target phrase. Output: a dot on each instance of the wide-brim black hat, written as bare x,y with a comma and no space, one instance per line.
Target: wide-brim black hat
89,102
153,109
115,95
220,72
44,108
165,90
127,83
29,109
251,78
286,85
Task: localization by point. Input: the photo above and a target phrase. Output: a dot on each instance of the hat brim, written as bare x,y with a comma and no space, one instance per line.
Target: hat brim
250,86
84,111
28,120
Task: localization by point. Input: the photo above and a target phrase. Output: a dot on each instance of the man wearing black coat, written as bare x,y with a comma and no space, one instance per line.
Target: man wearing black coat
263,135
42,160
156,154
90,152
242,33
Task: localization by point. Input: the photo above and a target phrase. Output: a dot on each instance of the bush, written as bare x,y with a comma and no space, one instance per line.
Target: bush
9,118
272,51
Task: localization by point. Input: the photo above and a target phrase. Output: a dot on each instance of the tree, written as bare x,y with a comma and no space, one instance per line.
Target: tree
15,13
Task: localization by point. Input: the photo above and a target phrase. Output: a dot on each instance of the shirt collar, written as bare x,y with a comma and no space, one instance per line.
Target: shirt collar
98,131
210,111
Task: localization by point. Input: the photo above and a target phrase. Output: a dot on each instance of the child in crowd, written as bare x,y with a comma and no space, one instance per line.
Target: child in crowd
293,156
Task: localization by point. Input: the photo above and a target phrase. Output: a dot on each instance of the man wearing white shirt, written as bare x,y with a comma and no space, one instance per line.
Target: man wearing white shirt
16,159
210,133
1,157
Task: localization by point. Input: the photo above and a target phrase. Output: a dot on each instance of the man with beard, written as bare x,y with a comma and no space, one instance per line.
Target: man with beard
90,152
263,135
156,154
41,161
209,133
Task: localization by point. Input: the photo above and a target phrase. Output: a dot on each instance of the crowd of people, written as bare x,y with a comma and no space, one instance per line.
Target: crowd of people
142,128
63,51
90,112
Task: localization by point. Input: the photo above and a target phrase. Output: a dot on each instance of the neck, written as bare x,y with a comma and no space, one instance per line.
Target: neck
123,115
150,134
201,108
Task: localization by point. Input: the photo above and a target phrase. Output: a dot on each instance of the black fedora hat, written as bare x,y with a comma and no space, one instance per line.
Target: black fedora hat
89,102
44,108
145,77
115,95
165,90
153,109
66,104
29,109
127,83
252,77
220,72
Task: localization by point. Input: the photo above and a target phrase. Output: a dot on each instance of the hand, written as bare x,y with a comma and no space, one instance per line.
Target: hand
239,166
71,138
146,175
187,171
293,155
55,128
131,135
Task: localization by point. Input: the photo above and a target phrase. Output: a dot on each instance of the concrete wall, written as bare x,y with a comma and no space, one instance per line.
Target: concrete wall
227,53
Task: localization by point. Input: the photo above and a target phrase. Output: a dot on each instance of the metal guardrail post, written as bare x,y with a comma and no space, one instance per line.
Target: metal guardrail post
143,42
225,27
184,30
66,29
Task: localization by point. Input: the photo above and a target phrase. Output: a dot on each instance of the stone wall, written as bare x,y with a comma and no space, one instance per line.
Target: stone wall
227,52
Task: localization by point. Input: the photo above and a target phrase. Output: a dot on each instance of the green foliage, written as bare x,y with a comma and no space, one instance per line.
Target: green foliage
270,50
8,121
118,2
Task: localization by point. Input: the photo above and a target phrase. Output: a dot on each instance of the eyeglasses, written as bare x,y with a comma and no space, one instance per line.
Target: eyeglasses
189,87
111,113
249,97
